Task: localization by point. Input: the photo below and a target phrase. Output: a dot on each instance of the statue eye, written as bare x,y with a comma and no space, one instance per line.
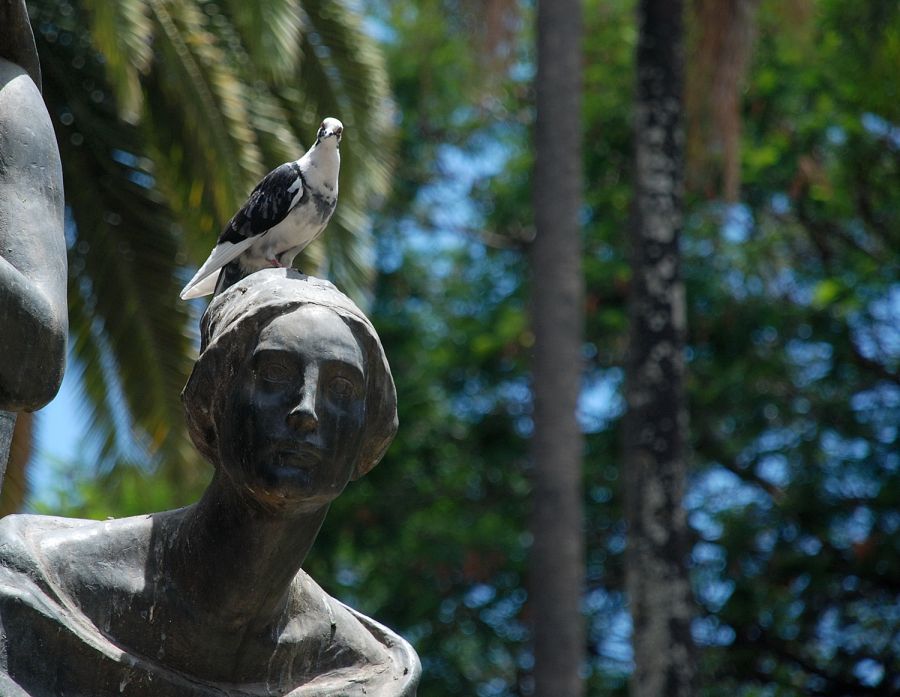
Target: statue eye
274,372
340,387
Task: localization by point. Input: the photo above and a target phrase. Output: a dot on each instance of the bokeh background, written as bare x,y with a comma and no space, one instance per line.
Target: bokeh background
168,111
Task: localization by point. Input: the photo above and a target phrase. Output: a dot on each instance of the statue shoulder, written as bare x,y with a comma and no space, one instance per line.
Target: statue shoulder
55,581
75,557
21,536
358,650
406,669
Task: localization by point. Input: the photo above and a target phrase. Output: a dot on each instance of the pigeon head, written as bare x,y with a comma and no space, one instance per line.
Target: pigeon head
330,128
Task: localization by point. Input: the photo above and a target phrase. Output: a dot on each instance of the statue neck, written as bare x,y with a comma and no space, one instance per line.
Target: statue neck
234,560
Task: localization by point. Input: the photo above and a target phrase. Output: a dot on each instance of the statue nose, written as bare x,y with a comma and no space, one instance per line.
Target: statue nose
303,416
302,420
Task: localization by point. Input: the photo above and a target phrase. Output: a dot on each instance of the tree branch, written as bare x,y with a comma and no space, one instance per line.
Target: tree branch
836,686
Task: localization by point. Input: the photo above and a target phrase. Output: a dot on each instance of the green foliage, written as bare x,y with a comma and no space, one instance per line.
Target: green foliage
795,364
793,377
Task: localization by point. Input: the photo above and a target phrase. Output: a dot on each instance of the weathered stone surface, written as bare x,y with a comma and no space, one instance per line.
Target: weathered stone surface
290,399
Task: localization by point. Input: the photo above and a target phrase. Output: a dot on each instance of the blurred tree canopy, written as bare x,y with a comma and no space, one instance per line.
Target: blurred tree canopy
793,359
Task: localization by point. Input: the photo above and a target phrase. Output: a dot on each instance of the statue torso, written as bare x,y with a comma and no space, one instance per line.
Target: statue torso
84,611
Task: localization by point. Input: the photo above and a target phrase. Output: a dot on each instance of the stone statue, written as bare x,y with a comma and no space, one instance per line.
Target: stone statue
33,314
291,398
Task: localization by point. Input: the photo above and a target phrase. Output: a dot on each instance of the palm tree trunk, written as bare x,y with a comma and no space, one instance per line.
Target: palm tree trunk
656,421
7,426
557,555
15,486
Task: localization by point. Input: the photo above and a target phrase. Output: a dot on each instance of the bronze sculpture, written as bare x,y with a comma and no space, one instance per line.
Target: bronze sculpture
290,398
33,313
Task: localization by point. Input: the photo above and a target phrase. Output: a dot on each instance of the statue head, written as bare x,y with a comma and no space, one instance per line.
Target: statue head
292,390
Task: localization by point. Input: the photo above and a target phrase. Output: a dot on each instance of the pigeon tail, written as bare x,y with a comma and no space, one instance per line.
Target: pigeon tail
222,254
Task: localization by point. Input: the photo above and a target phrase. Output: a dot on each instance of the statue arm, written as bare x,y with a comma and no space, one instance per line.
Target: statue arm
33,342
33,311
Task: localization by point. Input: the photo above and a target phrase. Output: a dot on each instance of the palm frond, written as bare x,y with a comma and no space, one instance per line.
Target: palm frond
350,81
342,58
127,331
212,156
122,32
271,120
270,31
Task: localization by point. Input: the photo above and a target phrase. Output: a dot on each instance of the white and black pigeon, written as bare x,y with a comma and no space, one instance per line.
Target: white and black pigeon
286,211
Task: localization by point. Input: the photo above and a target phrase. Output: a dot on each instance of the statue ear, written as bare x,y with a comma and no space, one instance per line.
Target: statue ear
200,398
377,439
381,400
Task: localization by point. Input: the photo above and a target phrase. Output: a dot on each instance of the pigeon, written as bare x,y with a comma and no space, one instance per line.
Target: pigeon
286,211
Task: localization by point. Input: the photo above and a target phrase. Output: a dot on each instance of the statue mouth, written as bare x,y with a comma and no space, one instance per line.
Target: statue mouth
296,458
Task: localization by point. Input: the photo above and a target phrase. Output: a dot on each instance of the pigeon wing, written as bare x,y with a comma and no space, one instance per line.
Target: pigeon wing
268,204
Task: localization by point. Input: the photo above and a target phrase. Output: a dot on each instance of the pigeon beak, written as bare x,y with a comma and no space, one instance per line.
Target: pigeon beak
336,132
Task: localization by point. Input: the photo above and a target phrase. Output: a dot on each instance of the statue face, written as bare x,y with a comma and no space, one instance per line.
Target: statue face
294,421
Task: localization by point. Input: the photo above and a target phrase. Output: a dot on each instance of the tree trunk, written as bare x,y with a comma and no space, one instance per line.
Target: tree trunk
557,556
15,486
656,422
7,427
